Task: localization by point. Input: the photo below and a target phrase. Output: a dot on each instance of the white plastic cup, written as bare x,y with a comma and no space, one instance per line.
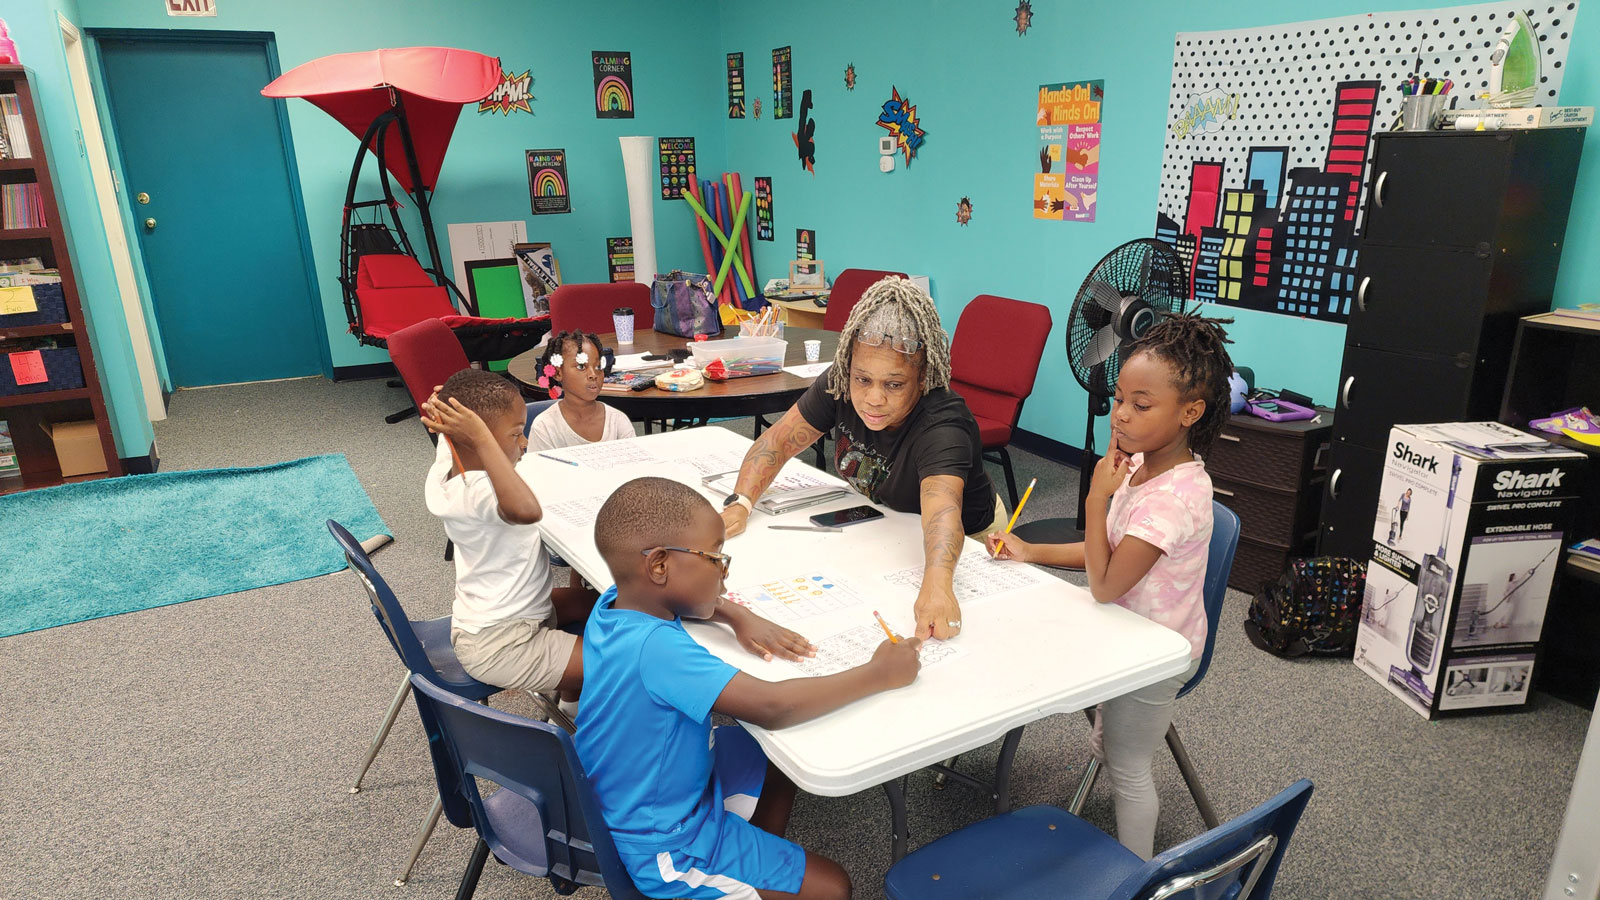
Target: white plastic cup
622,324
813,351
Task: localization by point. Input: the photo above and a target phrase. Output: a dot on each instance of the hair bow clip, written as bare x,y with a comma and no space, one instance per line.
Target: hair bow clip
556,360
549,372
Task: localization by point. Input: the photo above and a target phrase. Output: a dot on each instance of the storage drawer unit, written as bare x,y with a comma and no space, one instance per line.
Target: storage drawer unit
1270,474
1463,236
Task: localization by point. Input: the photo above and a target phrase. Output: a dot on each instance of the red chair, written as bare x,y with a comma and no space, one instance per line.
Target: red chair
587,307
994,357
848,286
425,354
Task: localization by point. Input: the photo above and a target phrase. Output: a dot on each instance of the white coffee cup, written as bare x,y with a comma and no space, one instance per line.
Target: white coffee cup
813,351
622,324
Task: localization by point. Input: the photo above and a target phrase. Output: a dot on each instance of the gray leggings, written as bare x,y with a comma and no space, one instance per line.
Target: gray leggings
1127,733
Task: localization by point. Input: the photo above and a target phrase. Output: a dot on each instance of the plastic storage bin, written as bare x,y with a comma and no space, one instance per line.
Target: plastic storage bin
741,357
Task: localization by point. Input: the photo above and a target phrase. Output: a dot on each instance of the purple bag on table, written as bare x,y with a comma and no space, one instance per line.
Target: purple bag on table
684,305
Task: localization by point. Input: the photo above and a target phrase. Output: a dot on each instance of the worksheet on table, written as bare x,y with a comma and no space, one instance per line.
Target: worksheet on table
605,454
851,648
579,512
788,600
978,576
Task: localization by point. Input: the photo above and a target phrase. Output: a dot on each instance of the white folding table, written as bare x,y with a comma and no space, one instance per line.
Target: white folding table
1028,653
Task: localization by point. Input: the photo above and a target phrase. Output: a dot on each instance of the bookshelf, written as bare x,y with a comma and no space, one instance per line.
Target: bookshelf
29,413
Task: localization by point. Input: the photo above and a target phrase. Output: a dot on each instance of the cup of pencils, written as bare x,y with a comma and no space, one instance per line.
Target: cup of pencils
1421,101
766,324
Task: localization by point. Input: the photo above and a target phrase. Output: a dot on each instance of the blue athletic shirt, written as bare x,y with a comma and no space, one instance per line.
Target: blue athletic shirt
644,726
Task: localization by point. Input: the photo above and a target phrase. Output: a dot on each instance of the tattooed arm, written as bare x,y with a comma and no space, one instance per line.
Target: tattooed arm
776,446
942,538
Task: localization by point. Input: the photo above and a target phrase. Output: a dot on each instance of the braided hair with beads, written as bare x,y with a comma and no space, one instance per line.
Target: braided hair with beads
894,306
1195,348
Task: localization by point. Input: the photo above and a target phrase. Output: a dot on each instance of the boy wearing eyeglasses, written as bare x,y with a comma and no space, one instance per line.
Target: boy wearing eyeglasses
695,812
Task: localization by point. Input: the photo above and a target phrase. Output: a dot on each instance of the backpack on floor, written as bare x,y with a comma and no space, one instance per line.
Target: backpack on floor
1313,609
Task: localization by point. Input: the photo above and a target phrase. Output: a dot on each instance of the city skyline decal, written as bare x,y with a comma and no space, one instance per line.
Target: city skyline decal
1266,168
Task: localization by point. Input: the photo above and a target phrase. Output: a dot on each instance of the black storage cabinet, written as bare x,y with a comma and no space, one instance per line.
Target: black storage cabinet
1463,234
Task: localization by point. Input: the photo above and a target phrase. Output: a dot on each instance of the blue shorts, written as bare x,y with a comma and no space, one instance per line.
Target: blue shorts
730,859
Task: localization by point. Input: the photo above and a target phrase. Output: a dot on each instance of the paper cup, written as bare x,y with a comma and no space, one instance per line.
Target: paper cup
622,324
813,351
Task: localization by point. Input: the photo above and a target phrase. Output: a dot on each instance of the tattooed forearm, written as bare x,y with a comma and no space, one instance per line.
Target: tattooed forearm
941,523
776,446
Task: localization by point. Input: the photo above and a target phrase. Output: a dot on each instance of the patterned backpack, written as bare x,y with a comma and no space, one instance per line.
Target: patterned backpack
1313,608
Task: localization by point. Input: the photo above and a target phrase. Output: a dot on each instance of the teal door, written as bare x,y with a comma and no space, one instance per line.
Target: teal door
207,177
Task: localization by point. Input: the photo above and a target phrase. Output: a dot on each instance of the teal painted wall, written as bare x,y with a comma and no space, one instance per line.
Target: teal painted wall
974,83
678,93
37,33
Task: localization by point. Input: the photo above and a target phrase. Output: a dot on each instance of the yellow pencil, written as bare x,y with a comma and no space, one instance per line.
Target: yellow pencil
893,638
1014,514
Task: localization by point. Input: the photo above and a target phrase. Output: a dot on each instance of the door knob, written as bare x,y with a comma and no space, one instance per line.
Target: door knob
149,224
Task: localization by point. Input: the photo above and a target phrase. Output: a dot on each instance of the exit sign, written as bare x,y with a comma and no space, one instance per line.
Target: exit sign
191,8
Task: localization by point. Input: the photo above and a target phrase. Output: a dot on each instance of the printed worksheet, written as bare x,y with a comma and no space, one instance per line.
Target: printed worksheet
851,648
605,454
978,576
578,512
787,600
715,463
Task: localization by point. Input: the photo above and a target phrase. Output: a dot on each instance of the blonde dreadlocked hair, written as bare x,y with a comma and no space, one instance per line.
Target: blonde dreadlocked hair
897,307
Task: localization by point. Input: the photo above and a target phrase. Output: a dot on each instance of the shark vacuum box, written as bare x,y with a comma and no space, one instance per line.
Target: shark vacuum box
1471,520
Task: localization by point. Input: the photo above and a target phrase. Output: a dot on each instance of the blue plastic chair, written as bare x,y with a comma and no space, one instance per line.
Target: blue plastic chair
544,820
534,408
1047,853
424,647
1219,563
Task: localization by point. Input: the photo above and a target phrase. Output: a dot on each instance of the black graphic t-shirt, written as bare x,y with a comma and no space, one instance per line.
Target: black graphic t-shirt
940,437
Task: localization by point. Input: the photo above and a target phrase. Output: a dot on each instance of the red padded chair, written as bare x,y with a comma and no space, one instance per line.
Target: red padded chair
425,354
848,286
994,357
587,307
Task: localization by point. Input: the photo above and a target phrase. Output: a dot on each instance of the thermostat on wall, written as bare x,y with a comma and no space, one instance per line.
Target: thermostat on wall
886,145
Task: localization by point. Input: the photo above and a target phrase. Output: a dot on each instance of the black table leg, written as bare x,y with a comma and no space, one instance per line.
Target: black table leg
1002,770
896,789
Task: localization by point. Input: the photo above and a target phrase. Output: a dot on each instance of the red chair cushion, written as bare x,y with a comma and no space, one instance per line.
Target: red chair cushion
848,286
587,307
993,434
390,270
385,311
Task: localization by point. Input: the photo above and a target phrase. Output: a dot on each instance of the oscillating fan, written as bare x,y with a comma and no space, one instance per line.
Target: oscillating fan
1135,286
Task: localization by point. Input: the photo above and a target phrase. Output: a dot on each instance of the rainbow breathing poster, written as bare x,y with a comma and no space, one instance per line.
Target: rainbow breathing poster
547,182
613,84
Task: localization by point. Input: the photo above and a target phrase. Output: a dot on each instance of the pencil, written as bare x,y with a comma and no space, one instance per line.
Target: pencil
1014,514
568,461
461,469
893,638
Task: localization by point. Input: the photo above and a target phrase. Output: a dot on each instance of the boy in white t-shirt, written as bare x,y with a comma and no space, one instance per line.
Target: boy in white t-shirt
504,622
571,370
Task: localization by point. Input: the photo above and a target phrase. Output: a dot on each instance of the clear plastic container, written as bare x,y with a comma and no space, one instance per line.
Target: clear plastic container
741,357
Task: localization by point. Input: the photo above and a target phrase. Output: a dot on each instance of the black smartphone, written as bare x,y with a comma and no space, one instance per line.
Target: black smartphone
842,517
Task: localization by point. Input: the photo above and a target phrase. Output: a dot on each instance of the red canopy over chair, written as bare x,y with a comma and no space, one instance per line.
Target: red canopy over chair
417,93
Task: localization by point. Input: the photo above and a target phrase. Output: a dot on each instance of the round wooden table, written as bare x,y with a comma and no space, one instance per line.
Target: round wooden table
758,395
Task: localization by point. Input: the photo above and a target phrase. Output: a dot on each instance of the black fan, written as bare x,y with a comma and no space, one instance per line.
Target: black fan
1135,286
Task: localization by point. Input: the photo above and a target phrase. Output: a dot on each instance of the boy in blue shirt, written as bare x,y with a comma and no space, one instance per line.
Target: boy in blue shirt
666,783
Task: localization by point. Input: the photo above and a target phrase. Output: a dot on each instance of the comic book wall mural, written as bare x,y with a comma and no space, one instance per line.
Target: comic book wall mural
1265,173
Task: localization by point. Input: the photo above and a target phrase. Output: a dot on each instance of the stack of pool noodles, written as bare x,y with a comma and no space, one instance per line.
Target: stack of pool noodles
723,203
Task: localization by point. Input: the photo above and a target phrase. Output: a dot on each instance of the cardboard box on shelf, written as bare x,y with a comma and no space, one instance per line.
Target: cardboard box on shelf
77,447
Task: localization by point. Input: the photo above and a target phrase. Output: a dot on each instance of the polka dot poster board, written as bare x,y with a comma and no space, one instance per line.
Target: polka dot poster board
1252,119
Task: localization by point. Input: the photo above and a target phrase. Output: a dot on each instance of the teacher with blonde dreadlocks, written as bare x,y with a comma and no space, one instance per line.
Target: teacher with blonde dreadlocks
901,437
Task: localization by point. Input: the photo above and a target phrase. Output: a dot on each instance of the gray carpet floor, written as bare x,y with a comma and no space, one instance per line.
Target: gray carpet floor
205,749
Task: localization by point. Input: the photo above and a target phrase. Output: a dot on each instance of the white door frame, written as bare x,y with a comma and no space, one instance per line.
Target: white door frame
105,190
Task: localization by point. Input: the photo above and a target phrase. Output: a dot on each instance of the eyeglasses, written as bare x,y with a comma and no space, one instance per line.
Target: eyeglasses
721,559
894,342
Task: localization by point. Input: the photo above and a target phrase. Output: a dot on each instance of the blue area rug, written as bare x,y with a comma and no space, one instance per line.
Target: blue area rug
99,548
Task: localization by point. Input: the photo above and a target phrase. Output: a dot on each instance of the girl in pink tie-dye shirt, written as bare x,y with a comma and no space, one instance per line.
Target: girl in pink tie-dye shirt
1148,530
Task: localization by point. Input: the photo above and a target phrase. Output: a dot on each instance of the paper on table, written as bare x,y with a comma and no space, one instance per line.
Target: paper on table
16,300
722,461
808,370
848,649
606,454
797,597
579,512
978,576
633,362
27,366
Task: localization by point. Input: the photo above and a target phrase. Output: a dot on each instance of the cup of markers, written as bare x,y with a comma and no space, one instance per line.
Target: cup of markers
1421,101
